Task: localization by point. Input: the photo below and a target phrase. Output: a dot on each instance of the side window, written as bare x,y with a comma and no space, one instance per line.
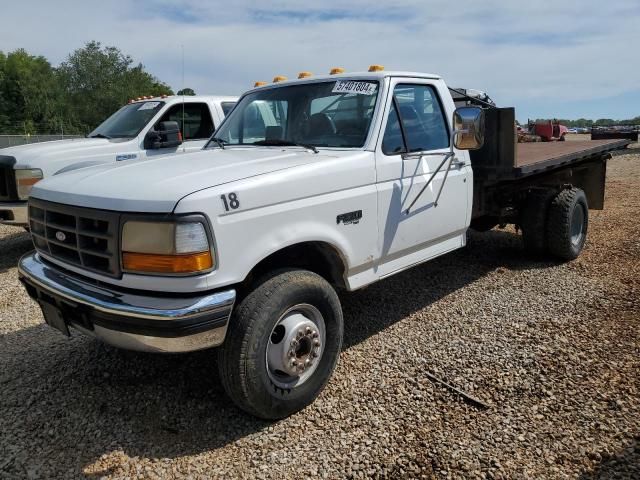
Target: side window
422,117
227,107
197,123
392,142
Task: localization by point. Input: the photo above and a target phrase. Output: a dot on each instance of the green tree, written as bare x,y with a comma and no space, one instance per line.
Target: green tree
186,92
98,80
30,95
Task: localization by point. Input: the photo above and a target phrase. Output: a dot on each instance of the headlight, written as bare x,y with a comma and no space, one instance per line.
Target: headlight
25,179
165,247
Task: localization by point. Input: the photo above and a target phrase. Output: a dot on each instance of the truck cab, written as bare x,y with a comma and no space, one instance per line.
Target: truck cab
309,187
125,136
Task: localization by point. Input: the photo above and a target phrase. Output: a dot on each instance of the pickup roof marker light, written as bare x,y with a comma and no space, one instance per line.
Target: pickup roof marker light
305,74
336,70
376,68
279,78
259,84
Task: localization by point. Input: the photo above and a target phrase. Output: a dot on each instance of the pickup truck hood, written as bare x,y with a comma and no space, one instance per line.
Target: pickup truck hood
52,156
156,186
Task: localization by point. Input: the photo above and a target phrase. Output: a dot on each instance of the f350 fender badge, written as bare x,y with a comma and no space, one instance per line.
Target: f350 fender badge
349,217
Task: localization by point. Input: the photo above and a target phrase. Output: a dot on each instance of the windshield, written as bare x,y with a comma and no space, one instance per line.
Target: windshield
326,114
128,121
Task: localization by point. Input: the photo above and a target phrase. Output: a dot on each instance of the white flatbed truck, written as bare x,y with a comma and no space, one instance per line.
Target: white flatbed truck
308,186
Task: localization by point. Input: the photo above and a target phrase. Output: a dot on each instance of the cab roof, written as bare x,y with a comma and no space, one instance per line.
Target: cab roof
378,75
188,98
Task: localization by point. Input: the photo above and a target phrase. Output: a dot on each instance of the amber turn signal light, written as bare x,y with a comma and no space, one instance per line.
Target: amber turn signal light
152,263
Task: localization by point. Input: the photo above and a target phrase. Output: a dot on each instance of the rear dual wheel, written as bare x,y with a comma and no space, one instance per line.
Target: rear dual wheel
555,222
282,345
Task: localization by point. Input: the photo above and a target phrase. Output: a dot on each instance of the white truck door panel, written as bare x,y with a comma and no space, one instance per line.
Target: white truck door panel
426,230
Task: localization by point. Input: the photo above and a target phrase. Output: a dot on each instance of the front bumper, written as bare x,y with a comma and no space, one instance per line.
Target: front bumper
14,214
128,319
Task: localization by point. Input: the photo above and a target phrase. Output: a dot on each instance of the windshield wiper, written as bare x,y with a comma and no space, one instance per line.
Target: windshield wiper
285,143
100,135
220,142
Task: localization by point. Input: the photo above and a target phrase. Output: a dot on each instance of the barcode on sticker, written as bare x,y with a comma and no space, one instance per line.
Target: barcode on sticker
350,86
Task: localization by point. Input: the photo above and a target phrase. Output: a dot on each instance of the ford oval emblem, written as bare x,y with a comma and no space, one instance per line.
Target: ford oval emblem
61,236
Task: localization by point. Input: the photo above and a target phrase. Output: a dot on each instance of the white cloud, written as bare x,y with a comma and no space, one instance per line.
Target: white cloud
524,53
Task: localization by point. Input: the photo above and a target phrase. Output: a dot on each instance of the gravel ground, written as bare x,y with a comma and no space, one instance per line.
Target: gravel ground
552,348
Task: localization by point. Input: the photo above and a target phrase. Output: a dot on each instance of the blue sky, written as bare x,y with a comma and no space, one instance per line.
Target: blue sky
565,59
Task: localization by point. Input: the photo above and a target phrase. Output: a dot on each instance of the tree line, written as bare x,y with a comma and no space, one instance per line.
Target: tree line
587,123
74,97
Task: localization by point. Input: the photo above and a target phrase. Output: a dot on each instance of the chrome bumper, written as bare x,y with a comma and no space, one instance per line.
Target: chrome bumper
14,214
132,320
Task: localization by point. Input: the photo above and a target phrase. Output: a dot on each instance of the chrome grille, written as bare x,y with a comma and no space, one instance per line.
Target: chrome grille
84,237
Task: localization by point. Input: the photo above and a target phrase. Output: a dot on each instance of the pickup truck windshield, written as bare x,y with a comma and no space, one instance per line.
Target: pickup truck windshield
128,121
324,114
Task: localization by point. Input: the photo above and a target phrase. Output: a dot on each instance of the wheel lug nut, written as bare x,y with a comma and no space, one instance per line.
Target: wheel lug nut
314,353
300,333
316,343
307,362
308,330
293,362
294,343
315,334
291,353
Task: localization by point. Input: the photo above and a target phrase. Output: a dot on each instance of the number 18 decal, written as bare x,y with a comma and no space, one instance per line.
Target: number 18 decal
230,201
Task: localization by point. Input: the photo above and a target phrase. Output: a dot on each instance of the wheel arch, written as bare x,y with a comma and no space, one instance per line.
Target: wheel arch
320,257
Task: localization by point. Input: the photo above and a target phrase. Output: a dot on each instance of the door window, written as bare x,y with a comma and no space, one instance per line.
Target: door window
197,124
423,127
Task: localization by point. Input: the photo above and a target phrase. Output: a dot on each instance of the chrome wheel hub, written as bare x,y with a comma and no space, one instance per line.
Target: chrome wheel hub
577,225
295,346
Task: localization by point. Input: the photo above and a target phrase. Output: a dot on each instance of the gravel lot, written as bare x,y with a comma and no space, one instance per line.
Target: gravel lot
553,348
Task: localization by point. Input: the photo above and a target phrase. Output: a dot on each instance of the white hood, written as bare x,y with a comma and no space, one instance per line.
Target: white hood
157,185
50,157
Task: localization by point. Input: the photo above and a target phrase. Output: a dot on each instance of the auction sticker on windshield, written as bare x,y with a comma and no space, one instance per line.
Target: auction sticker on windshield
149,105
350,86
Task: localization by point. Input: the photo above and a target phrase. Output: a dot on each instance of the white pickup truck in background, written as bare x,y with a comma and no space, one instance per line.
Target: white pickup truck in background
131,133
308,187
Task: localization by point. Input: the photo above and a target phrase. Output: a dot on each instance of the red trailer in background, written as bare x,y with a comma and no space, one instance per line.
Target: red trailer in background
548,130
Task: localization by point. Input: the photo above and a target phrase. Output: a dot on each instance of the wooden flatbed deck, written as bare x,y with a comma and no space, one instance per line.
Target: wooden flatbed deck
534,157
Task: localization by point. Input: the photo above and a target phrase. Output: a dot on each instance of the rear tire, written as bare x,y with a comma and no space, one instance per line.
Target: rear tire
534,219
567,224
276,315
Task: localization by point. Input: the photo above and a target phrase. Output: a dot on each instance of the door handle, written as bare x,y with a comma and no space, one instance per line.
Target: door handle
457,163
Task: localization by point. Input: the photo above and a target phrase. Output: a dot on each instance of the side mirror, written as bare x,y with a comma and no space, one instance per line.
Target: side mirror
468,128
167,135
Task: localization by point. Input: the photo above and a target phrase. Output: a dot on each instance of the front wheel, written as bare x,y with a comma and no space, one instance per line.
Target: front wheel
282,345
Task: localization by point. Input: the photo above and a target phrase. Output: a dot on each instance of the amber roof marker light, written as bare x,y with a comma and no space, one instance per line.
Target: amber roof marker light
305,75
336,70
259,84
279,78
376,68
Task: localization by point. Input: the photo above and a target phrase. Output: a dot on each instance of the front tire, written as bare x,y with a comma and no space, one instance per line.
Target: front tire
567,224
282,344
